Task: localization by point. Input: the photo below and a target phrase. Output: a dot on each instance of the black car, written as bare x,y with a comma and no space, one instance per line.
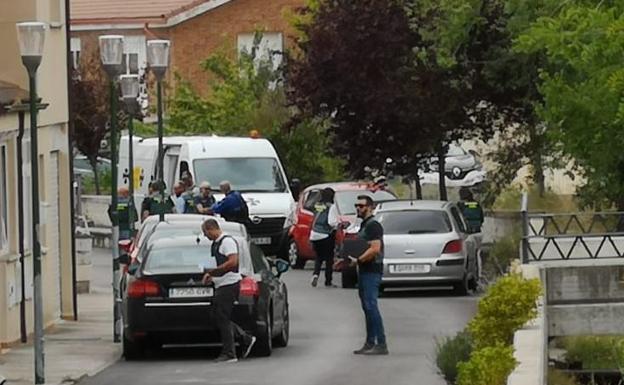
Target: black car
165,301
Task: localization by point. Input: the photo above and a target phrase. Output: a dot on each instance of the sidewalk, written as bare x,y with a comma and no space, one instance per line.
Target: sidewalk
72,349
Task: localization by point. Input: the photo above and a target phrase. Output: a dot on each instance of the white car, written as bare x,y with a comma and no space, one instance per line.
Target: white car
461,168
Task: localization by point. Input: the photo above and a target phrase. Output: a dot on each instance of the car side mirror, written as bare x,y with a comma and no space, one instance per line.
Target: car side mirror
281,266
295,188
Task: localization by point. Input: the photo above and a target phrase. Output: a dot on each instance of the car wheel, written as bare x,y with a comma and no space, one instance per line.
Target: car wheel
282,340
349,278
264,346
462,287
293,256
133,350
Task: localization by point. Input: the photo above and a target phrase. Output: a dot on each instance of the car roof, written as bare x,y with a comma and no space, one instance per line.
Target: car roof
172,218
343,186
225,226
179,241
408,204
220,146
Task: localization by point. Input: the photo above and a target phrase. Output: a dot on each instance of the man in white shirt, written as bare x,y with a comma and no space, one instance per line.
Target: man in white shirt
323,235
226,279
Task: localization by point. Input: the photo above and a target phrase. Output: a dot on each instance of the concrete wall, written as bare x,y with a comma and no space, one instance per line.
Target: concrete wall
95,208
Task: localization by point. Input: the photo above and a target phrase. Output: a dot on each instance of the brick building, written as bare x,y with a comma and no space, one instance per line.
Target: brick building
196,29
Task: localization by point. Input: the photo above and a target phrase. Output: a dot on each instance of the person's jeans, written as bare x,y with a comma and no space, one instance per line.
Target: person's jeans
324,249
368,284
224,304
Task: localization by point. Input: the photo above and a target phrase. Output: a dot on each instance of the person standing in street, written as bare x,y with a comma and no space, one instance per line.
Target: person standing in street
178,197
232,207
204,201
226,279
126,214
370,270
323,235
151,205
472,210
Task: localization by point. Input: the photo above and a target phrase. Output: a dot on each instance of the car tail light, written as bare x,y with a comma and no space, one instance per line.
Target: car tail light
125,245
453,247
142,288
249,287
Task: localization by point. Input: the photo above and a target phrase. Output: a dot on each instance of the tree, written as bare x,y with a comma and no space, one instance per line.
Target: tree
395,79
248,94
581,85
90,107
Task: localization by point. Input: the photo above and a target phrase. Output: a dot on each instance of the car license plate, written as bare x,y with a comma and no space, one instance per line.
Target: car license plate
190,292
410,269
261,241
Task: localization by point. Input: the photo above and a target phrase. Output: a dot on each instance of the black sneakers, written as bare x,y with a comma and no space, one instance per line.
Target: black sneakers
377,350
314,281
226,358
363,349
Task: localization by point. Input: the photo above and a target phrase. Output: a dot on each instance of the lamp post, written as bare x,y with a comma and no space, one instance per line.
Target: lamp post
129,94
31,36
111,53
158,60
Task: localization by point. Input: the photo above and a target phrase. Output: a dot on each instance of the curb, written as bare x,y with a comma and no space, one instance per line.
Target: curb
110,360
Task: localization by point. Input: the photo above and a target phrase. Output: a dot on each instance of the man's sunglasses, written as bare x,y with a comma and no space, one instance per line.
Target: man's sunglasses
359,206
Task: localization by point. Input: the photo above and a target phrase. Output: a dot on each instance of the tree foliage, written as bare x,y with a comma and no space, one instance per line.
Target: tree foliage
582,84
90,107
400,79
248,94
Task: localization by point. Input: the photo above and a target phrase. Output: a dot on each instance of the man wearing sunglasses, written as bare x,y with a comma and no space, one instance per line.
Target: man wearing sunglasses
370,269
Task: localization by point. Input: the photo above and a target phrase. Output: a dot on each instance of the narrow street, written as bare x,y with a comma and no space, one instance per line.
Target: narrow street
326,325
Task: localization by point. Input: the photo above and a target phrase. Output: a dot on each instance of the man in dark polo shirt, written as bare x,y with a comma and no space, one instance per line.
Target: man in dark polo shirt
370,269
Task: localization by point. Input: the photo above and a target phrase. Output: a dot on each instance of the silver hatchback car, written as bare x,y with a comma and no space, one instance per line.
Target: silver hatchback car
427,244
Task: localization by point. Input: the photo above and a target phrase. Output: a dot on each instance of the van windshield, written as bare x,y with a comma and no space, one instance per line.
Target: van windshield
245,174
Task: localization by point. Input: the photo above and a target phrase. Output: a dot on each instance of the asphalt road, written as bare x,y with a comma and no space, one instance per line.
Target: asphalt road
326,325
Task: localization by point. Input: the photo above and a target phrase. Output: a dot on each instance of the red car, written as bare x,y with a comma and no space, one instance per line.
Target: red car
300,249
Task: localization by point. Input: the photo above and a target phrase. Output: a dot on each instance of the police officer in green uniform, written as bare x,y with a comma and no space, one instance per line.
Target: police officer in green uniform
152,203
126,213
471,209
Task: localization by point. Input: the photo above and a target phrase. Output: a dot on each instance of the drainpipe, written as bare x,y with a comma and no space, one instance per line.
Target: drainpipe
70,150
20,224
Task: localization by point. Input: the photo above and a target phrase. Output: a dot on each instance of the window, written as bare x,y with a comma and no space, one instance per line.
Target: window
415,222
4,244
245,174
459,220
311,199
74,47
270,46
134,57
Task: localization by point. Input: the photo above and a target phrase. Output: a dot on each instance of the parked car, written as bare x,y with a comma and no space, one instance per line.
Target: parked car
461,168
300,249
174,224
165,301
427,243
82,166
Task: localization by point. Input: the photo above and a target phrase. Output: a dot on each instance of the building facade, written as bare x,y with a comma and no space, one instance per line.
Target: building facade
54,172
196,29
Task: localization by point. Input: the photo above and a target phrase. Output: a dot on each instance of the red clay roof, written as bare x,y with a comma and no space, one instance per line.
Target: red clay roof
130,11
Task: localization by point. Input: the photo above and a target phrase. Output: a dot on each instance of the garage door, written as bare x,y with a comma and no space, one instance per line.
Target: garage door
53,222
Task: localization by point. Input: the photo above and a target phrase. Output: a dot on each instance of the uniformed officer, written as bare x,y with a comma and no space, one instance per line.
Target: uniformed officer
126,213
152,203
471,209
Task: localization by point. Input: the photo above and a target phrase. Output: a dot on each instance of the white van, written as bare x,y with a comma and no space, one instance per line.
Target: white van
251,165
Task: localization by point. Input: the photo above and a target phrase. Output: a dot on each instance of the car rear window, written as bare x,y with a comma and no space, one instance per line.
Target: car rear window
415,222
177,260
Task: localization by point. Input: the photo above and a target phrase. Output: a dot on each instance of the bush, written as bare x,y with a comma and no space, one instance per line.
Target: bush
595,352
498,258
507,306
557,377
451,351
487,366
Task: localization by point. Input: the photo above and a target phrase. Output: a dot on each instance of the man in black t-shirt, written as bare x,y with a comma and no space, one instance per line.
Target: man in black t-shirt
370,268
